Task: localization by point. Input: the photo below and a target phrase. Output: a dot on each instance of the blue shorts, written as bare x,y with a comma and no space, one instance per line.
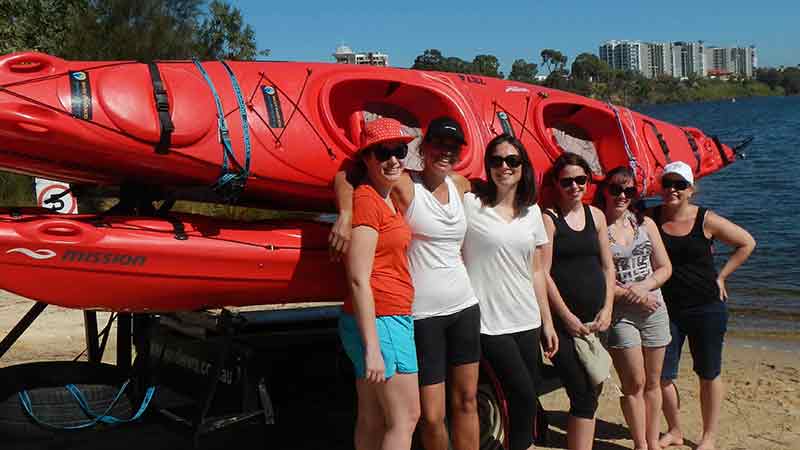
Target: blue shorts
705,326
396,337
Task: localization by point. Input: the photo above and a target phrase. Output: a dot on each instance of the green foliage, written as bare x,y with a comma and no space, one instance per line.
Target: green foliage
486,65
224,34
40,25
523,71
553,60
433,59
589,67
119,29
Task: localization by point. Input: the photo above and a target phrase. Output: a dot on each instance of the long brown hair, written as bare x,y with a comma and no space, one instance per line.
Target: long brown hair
526,189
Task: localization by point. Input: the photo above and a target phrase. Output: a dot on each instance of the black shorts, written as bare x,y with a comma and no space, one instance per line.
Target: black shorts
447,341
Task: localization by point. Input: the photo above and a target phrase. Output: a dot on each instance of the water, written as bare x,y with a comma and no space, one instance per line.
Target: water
760,193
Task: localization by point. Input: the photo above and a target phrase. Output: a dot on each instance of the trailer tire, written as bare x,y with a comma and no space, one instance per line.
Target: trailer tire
51,402
490,418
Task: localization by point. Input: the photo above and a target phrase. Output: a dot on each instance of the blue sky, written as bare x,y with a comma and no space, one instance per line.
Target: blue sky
310,30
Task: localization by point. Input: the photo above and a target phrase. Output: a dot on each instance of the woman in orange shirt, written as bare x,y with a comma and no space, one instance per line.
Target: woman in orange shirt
376,327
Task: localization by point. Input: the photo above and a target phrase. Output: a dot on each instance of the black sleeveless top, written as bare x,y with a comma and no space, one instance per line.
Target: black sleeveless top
577,269
694,277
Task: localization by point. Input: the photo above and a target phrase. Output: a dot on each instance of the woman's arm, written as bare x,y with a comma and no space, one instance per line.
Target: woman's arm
549,338
603,319
340,235
557,305
662,267
734,236
359,269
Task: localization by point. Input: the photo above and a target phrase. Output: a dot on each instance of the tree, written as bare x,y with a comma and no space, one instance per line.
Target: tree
523,71
430,59
553,59
770,76
589,67
791,80
40,25
486,65
224,34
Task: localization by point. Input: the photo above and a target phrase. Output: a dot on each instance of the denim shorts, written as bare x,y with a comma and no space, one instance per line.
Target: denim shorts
705,326
396,338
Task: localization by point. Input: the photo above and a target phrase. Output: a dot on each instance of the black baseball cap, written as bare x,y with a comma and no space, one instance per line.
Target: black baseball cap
445,128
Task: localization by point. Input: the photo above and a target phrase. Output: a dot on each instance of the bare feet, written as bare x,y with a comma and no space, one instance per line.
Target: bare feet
671,438
706,444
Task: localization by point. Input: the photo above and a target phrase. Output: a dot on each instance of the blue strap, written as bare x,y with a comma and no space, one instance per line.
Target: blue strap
230,182
95,418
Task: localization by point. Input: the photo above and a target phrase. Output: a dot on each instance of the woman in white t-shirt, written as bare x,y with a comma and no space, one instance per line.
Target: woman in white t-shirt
503,254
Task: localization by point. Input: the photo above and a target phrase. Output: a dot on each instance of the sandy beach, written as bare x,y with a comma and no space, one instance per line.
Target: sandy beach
761,409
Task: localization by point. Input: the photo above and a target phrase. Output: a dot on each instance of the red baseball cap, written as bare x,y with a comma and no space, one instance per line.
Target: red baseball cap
383,130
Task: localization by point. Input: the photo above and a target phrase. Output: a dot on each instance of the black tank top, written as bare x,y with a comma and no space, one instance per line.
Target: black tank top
694,277
577,269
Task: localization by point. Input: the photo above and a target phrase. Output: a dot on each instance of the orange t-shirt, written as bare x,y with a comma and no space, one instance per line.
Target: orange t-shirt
390,279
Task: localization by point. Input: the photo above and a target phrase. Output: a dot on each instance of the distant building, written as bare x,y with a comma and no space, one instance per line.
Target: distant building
679,59
727,61
660,59
345,55
626,55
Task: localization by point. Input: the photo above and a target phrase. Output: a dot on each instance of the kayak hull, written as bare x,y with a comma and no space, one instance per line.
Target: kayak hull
185,263
98,122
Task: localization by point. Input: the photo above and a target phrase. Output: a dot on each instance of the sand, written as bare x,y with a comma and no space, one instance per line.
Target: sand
761,409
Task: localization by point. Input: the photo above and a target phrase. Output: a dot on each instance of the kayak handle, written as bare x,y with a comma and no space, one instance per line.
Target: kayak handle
64,231
28,63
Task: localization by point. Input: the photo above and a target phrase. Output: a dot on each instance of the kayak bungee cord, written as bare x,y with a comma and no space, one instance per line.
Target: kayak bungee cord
296,105
496,104
631,158
638,148
229,184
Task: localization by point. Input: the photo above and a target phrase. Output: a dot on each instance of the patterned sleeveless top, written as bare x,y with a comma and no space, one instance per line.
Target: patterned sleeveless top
633,261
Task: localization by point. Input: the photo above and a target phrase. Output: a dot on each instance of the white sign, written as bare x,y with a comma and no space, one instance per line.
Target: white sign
49,195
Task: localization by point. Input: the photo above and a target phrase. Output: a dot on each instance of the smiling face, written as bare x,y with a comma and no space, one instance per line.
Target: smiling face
440,155
386,172
502,171
675,190
571,183
619,193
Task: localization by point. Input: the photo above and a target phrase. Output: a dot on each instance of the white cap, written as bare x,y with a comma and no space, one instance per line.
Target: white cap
679,168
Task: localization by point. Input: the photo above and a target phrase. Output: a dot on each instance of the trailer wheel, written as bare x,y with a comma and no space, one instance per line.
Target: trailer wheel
51,402
490,417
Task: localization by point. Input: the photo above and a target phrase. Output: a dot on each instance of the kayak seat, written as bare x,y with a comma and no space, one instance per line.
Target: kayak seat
125,94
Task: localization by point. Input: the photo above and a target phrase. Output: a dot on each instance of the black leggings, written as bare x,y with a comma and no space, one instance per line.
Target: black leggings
582,395
515,358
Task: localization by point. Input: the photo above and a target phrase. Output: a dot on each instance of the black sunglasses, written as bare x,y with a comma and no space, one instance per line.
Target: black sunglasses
444,144
512,161
383,154
679,185
616,190
566,182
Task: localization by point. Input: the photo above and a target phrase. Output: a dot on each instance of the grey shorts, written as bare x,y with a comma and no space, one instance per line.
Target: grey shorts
631,328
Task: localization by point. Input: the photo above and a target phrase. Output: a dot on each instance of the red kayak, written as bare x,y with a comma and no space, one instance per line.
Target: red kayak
183,263
117,121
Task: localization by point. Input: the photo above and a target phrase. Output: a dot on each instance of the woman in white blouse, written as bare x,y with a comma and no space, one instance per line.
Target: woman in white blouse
503,254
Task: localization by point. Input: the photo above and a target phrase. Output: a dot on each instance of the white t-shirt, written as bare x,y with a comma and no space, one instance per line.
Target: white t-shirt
441,284
499,258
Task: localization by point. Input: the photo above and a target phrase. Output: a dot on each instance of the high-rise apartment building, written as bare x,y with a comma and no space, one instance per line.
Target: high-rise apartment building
345,55
626,55
678,59
727,61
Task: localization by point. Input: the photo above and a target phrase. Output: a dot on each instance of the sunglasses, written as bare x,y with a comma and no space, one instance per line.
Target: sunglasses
383,154
512,161
567,181
679,185
616,190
